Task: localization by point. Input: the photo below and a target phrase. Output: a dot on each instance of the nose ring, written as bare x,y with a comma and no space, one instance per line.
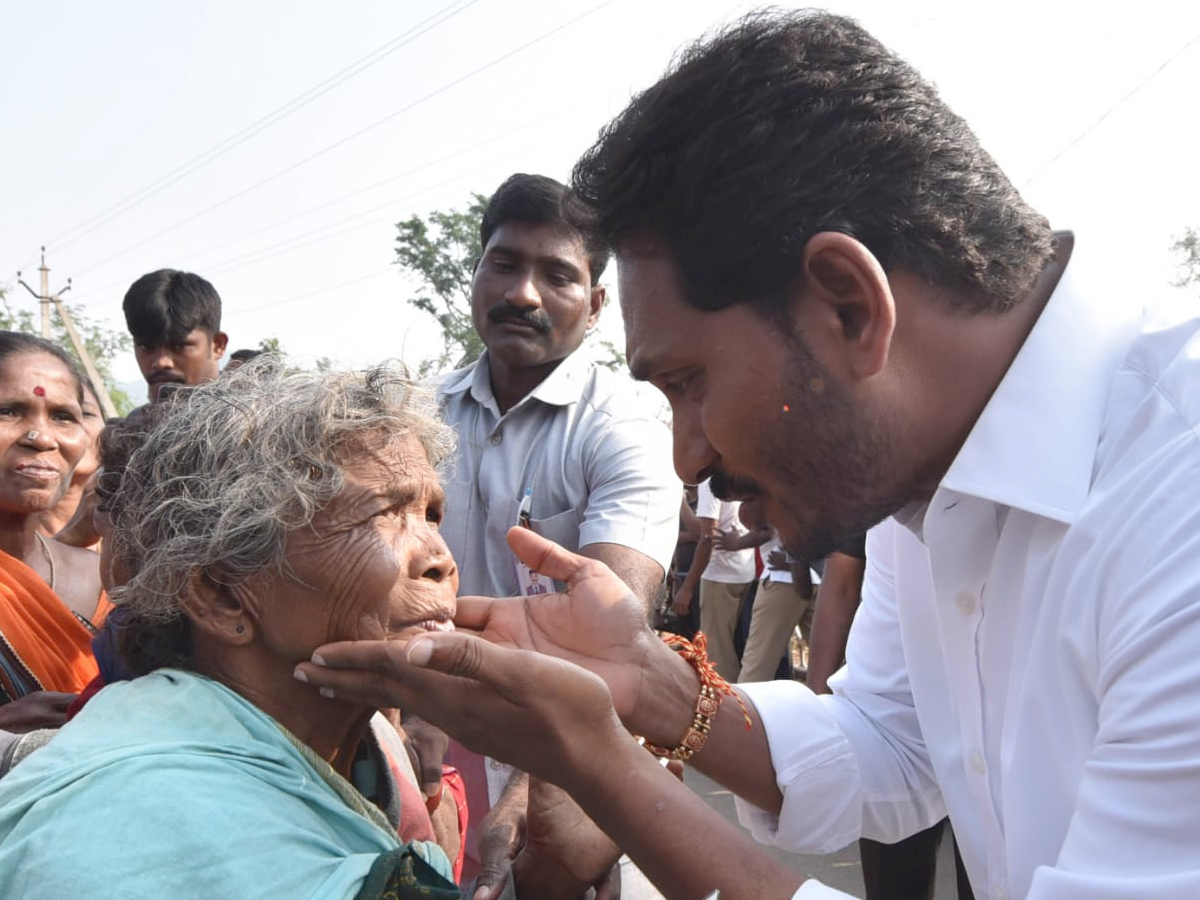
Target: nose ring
31,436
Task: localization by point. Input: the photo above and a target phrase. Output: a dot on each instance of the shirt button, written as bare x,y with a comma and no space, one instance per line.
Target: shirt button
496,766
976,760
497,438
1001,893
966,603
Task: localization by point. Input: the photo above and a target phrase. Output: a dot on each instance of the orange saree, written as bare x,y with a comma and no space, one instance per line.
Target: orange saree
43,644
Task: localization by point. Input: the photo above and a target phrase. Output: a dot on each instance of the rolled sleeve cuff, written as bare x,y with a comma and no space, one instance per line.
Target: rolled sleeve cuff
815,769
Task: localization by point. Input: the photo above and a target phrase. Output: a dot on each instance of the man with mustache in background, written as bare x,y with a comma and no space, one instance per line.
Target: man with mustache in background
550,440
175,320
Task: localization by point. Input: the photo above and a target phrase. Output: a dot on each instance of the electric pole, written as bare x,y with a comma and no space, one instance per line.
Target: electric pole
45,298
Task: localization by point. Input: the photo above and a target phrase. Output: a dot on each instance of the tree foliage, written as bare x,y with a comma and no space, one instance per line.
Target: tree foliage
1188,248
441,250
103,344
271,345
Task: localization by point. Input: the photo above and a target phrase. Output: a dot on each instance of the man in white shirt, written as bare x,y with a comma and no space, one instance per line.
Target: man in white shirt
869,325
724,577
547,439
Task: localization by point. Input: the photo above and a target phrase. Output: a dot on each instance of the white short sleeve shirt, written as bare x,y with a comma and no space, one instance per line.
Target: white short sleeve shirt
597,461
724,566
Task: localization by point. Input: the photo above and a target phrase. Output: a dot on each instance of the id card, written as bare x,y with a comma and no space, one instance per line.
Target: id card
529,582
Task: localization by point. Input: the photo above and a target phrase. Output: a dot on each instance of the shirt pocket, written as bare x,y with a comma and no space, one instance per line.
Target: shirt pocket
562,528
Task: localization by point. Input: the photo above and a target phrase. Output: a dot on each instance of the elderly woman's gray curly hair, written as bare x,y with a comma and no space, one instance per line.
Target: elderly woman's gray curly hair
240,463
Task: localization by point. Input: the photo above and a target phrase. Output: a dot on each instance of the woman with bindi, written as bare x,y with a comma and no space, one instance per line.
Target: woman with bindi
51,600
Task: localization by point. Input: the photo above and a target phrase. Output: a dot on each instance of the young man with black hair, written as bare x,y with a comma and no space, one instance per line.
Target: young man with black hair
175,320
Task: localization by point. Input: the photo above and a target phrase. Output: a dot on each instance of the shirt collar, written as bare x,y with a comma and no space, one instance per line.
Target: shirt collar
561,387
1034,446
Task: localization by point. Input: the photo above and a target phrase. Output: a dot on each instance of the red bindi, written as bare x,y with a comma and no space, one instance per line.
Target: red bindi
39,391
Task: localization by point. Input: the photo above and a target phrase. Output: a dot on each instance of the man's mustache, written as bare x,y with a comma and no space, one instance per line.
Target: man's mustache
166,378
534,318
731,487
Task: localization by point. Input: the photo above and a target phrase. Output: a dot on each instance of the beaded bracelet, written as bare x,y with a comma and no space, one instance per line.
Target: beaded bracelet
713,689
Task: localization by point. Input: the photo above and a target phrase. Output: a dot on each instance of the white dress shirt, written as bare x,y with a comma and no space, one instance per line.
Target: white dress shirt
1027,652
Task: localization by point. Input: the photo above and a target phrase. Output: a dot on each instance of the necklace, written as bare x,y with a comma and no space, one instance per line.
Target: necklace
49,556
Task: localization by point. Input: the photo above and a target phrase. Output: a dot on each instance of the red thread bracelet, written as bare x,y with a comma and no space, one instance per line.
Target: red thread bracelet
713,689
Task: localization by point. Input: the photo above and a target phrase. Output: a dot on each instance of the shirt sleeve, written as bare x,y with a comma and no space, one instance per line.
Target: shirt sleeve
634,493
1134,830
852,764
707,506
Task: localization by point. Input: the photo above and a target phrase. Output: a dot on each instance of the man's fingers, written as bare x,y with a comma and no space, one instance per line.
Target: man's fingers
472,612
548,558
371,656
366,670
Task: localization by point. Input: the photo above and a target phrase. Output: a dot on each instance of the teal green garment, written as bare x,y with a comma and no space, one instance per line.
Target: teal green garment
173,787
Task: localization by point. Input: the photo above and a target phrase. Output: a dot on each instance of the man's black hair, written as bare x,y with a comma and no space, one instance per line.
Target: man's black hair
791,123
538,200
244,355
165,306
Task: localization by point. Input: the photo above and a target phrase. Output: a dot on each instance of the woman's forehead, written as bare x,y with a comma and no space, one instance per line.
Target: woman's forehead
40,374
398,460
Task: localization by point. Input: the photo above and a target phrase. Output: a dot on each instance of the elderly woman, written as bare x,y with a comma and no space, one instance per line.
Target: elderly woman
265,515
50,594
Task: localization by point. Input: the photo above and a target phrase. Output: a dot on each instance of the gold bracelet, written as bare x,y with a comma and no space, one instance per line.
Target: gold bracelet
713,689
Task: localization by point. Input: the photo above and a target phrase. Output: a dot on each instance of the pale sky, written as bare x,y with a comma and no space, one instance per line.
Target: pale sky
1090,107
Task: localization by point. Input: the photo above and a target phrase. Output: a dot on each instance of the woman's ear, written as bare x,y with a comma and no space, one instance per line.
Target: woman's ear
218,611
846,308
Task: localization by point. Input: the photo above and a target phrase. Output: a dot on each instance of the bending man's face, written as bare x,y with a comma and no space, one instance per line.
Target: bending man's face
756,411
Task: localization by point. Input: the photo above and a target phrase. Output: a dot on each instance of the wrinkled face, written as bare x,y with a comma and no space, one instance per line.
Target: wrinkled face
372,564
41,432
532,299
754,409
194,360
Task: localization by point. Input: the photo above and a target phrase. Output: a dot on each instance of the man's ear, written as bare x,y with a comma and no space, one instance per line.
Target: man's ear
220,341
218,612
847,311
595,304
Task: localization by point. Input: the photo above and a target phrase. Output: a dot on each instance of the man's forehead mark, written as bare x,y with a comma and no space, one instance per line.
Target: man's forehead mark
39,391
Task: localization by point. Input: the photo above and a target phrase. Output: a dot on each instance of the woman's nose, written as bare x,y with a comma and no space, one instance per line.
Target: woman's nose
434,561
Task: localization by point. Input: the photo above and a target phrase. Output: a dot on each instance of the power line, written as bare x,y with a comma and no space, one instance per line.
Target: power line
225,265
378,184
1111,109
298,102
291,168
297,241
324,290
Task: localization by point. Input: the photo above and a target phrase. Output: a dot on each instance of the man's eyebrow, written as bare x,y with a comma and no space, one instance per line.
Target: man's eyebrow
566,265
551,259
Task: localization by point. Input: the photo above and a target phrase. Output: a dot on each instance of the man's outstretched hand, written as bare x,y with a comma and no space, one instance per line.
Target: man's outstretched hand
527,680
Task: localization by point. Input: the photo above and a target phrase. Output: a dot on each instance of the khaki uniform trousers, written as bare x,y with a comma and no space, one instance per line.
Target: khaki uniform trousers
778,609
720,605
